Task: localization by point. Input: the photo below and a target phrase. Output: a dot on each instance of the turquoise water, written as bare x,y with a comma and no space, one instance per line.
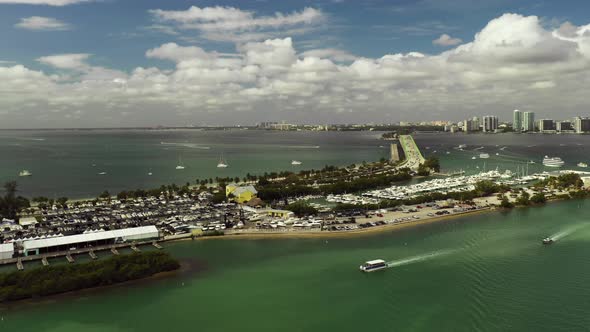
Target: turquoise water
486,272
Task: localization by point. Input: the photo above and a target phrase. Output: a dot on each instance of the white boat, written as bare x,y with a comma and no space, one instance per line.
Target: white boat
374,265
484,155
497,154
180,165
448,152
102,173
474,157
553,162
462,146
296,162
25,172
222,163
150,173
583,165
531,162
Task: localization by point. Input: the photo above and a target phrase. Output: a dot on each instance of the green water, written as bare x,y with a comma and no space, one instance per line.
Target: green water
491,273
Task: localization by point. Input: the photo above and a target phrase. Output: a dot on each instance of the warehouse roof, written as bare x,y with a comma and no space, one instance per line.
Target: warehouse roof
150,231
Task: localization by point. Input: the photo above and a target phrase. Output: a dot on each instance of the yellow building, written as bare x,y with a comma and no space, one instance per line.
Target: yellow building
240,194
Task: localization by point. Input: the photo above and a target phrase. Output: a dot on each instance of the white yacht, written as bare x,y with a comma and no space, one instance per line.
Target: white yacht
296,162
484,155
222,163
583,165
25,172
553,162
374,265
180,165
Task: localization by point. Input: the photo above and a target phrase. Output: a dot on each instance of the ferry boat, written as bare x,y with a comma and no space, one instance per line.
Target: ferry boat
25,172
548,240
374,265
484,155
296,162
553,162
583,165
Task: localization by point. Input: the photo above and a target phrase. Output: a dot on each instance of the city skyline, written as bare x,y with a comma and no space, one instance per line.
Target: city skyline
74,63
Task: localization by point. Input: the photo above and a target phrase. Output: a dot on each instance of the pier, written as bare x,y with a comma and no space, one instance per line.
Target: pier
135,249
19,265
19,261
70,258
155,244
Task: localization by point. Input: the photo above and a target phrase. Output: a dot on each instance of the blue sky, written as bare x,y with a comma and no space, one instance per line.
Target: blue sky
113,29
114,36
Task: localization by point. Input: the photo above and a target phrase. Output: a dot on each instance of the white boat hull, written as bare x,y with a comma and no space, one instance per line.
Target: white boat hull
372,270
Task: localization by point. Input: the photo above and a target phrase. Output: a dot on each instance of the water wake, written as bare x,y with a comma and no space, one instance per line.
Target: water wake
300,146
419,258
187,145
567,232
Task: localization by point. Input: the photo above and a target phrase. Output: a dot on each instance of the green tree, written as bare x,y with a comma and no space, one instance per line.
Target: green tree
538,198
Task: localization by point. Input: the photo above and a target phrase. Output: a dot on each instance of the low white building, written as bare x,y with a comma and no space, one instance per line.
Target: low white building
6,250
63,243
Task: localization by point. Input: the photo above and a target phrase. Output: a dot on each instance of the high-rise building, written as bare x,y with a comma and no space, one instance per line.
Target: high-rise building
563,126
476,123
581,125
546,125
517,121
471,125
490,123
528,121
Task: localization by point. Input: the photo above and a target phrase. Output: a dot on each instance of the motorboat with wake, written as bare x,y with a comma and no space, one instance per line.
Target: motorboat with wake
374,265
548,240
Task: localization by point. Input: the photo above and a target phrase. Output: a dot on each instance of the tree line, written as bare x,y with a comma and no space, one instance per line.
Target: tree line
49,280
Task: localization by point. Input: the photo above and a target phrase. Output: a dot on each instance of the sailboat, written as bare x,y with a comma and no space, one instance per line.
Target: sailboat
222,163
180,166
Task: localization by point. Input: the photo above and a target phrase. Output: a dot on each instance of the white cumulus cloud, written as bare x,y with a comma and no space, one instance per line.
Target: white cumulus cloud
233,24
40,23
44,2
513,60
446,40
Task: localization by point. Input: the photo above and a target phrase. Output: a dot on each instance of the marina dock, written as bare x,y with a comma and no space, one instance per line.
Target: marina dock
155,244
92,254
114,251
44,261
70,258
135,249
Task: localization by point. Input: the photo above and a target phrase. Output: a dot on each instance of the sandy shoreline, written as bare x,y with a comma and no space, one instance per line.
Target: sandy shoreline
340,234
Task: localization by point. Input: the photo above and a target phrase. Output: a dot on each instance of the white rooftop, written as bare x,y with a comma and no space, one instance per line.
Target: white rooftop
7,247
146,231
